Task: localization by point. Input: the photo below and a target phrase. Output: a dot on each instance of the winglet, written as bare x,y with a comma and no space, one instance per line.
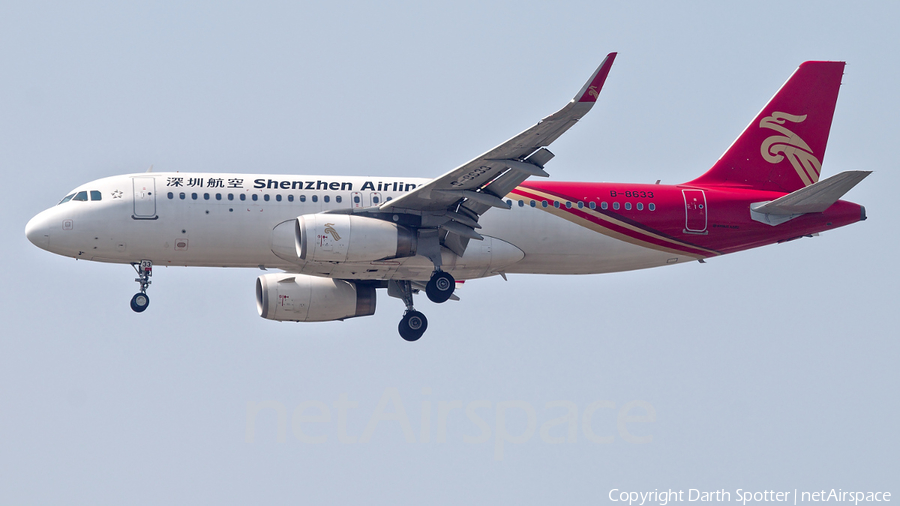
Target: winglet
591,89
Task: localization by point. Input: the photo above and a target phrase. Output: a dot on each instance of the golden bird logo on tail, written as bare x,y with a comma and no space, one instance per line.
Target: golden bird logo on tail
775,148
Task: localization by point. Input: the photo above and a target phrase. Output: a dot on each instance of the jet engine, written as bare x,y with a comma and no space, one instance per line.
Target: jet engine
301,298
348,238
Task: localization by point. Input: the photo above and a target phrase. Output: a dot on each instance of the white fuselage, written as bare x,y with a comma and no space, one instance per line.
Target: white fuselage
227,220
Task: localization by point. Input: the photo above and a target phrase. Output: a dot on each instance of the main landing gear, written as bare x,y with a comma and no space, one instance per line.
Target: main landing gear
414,323
439,289
141,300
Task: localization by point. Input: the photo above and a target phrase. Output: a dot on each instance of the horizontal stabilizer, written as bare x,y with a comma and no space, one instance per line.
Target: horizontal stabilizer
815,198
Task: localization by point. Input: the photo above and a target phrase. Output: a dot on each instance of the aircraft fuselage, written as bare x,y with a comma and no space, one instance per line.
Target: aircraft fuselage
551,228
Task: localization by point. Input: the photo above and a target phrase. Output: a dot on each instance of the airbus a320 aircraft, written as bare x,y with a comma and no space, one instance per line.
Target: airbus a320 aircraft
340,239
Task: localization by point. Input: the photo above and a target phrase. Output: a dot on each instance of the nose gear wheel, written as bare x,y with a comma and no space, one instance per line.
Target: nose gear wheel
144,270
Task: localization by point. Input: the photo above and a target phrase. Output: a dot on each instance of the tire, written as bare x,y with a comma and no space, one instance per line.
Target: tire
440,287
412,326
139,302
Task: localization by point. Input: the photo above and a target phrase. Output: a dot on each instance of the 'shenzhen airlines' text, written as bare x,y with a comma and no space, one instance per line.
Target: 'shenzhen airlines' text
276,184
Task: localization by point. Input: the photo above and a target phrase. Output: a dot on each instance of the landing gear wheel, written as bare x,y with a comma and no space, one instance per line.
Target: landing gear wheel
440,287
144,270
139,302
412,326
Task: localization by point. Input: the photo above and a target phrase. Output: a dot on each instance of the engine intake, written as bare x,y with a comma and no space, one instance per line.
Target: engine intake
301,298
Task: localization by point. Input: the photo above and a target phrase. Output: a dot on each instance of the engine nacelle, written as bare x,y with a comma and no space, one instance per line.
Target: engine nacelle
301,298
349,238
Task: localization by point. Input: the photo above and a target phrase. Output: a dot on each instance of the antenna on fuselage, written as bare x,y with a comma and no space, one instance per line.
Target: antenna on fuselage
150,169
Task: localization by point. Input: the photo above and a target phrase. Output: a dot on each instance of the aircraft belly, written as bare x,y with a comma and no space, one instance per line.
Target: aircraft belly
221,238
555,246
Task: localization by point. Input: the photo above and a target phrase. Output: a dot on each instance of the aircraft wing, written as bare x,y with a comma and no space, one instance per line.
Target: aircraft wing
466,192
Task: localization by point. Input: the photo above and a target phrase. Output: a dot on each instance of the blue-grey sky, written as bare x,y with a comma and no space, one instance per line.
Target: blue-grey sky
768,369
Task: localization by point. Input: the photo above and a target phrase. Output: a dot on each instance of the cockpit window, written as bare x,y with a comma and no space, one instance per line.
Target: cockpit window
82,196
66,198
95,195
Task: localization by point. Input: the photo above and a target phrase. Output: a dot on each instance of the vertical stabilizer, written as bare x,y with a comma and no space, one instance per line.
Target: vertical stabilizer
783,148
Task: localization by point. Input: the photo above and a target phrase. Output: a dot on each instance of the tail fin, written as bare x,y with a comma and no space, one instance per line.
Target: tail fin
783,148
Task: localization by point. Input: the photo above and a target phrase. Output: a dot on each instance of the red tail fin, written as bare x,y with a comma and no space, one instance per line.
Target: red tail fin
783,148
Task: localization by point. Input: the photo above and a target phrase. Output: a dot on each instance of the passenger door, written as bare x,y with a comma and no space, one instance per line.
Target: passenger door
144,198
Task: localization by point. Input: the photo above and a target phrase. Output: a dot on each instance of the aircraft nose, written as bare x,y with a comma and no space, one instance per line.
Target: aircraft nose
38,231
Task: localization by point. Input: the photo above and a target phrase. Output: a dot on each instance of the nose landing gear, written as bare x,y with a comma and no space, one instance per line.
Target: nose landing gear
144,270
139,302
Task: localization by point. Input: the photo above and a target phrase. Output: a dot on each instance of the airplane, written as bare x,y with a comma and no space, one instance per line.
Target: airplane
338,240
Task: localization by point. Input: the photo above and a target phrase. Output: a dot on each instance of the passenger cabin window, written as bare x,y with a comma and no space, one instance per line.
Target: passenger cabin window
326,198
338,199
218,196
302,198
315,198
243,196
290,198
181,195
593,205
266,197
82,196
95,195
255,197
278,198
194,196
